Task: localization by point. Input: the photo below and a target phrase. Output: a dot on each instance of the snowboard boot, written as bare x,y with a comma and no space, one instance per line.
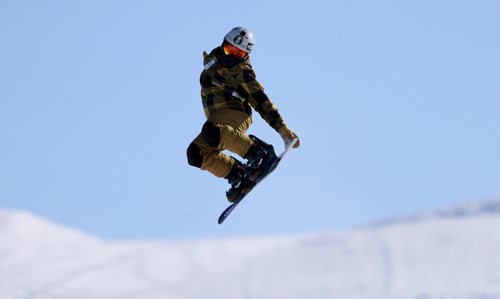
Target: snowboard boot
239,180
260,158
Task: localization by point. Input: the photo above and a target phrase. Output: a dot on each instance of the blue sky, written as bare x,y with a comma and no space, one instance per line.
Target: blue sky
397,104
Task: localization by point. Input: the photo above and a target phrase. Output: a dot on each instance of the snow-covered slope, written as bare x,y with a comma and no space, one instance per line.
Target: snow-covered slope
430,257
463,210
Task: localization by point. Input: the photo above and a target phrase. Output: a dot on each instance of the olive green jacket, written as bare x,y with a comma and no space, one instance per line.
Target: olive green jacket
233,85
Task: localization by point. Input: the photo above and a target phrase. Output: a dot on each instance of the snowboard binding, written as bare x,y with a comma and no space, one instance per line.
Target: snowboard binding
239,180
261,160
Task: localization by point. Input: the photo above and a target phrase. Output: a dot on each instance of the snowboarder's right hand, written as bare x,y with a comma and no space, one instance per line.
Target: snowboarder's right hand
288,136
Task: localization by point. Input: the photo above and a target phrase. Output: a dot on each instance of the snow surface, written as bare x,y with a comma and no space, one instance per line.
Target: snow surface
436,256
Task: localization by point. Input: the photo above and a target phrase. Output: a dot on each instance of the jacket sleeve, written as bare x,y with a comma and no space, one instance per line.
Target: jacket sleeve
252,90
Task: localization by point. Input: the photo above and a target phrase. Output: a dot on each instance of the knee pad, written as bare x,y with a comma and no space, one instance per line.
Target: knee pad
193,155
211,134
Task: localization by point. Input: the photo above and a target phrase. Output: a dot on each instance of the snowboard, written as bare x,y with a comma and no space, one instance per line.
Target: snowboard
235,203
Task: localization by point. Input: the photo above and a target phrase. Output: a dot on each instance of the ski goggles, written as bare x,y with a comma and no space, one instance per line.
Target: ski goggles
232,50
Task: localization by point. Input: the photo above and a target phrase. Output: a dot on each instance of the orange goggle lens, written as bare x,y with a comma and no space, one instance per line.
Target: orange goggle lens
232,50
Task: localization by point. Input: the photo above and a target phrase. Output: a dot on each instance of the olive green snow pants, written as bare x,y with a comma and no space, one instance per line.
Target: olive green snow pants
223,130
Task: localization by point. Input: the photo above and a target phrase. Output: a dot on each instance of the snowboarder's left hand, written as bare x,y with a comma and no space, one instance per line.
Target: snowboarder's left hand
288,136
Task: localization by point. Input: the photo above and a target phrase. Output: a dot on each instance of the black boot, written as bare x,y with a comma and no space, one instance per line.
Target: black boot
260,158
239,180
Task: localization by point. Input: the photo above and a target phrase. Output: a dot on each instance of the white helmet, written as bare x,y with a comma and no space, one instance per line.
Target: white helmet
241,38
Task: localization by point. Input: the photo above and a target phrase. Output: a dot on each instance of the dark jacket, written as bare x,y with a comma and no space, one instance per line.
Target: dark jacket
227,84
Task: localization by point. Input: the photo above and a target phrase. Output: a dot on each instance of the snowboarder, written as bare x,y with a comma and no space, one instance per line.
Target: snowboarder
229,91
